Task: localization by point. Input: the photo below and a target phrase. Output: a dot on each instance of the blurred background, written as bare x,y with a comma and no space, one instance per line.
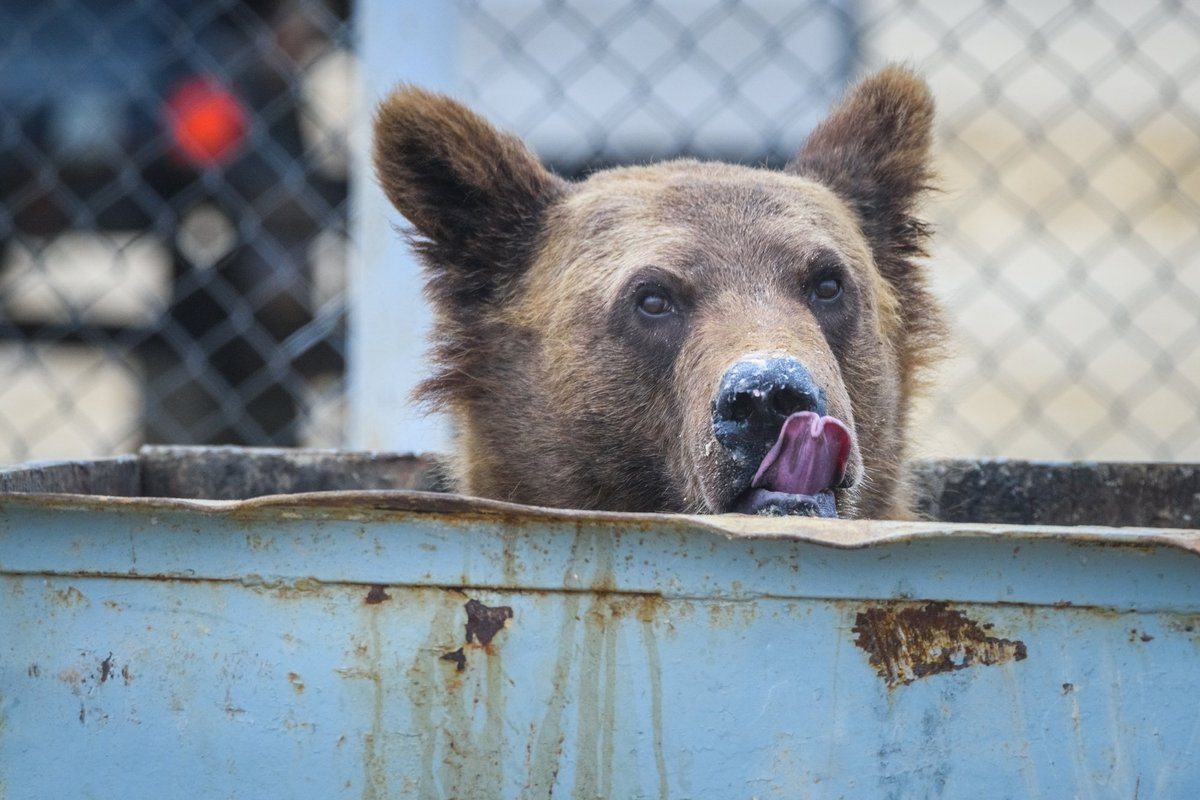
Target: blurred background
188,240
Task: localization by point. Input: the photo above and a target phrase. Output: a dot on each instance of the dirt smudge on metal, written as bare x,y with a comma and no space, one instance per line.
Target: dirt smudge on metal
425,691
483,623
654,664
594,694
458,714
547,737
71,597
1135,635
906,642
375,757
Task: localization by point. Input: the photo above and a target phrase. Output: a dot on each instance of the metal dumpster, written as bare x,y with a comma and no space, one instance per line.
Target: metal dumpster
387,643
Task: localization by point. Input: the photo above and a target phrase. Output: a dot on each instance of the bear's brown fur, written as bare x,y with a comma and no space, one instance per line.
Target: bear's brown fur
582,329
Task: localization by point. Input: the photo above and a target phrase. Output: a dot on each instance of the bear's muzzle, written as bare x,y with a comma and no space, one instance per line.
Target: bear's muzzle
769,415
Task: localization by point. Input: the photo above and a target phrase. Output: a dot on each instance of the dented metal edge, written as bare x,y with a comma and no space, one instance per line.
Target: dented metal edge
394,504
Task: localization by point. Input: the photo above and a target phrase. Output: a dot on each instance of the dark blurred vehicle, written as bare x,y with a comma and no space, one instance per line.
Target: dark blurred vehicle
182,118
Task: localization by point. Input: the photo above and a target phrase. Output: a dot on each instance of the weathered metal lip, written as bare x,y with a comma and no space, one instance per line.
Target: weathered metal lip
398,504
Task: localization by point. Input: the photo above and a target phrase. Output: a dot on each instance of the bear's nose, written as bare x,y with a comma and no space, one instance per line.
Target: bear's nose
754,398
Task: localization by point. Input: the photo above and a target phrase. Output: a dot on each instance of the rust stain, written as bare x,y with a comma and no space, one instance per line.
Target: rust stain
906,642
458,657
296,682
731,614
483,622
643,607
126,675
425,687
377,595
106,668
71,597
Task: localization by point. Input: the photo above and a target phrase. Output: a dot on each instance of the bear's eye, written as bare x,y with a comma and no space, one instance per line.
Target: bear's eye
827,289
654,303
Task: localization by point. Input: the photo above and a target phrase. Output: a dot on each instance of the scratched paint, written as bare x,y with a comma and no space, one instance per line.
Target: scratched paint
378,649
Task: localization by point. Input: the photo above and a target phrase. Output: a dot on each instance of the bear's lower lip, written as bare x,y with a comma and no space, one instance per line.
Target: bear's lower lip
780,504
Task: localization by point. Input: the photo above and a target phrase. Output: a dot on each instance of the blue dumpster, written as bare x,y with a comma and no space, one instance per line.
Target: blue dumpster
173,626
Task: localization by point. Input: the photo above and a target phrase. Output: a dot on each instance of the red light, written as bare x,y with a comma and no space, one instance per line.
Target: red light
207,122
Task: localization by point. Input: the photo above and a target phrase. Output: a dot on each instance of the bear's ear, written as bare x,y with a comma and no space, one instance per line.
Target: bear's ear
873,151
474,194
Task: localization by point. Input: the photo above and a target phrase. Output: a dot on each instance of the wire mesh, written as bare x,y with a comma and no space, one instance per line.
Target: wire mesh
173,183
1067,246
171,198
1069,237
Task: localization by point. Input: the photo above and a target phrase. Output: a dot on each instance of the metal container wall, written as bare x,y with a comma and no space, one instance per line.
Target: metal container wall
394,644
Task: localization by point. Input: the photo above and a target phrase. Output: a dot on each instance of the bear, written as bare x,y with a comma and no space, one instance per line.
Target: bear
682,336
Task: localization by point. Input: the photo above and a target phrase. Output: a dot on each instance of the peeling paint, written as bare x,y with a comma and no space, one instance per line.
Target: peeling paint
457,657
483,623
906,642
377,595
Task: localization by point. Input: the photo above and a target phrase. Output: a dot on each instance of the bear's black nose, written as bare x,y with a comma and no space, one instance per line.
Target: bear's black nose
754,398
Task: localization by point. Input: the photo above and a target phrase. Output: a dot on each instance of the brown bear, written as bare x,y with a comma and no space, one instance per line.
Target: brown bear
685,336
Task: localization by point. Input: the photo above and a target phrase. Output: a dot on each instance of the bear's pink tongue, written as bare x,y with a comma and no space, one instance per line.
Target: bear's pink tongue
809,456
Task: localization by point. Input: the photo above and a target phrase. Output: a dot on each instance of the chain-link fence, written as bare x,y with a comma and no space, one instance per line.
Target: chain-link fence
172,185
172,192
1069,250
1068,244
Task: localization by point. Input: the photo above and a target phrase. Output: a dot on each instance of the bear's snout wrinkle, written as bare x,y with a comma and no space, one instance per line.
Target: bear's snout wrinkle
755,397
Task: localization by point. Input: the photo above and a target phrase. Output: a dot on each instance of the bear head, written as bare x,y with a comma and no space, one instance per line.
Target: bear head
683,336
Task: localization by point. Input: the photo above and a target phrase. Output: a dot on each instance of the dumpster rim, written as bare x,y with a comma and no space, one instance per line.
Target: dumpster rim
398,505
